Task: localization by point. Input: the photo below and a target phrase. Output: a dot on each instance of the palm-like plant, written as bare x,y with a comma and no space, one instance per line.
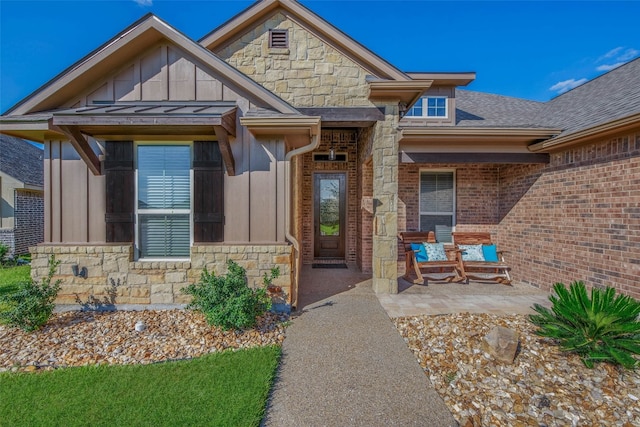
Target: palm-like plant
603,328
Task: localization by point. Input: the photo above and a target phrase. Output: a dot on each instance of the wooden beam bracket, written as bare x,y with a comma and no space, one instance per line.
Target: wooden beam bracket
225,149
82,146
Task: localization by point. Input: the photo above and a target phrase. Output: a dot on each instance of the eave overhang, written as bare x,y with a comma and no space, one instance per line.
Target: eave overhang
407,92
624,124
475,135
445,79
440,145
298,126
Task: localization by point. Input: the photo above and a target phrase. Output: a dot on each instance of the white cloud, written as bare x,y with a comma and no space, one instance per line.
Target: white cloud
616,57
628,54
565,85
613,52
609,67
144,2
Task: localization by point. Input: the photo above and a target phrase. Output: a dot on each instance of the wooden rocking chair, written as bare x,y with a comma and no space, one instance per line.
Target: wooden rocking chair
495,269
422,268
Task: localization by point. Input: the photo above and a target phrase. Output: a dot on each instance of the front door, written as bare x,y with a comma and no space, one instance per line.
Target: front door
329,215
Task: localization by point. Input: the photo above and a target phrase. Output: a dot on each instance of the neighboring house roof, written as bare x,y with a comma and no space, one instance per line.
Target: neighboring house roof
21,160
478,109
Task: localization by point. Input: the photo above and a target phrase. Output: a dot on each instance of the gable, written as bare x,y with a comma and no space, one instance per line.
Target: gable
143,36
310,72
164,72
264,9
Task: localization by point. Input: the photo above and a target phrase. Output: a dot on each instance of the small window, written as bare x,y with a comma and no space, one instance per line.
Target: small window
278,39
429,106
437,204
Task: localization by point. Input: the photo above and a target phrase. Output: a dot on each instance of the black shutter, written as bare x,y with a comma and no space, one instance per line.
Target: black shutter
208,192
120,191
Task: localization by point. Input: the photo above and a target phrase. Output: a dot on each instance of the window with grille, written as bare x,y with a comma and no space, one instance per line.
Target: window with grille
437,203
278,39
429,106
164,200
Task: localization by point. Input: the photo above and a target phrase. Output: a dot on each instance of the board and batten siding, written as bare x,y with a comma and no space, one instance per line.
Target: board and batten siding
75,201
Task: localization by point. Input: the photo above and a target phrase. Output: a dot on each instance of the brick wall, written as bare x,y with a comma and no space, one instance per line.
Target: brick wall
364,247
29,220
577,218
345,143
158,282
477,197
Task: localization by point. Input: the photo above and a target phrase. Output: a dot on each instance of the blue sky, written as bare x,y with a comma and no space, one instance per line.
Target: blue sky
527,49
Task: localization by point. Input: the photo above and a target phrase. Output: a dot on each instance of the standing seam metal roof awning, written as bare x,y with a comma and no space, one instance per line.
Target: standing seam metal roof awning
149,119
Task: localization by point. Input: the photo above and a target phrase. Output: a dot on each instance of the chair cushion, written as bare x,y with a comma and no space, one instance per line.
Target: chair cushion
471,252
419,252
435,251
490,253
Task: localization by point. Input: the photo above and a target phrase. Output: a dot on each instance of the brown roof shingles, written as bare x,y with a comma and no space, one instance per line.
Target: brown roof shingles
21,160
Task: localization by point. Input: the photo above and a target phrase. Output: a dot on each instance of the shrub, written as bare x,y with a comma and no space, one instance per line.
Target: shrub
227,301
603,328
4,250
32,304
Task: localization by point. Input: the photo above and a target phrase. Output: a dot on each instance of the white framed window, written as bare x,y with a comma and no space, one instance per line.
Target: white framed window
438,203
163,200
430,106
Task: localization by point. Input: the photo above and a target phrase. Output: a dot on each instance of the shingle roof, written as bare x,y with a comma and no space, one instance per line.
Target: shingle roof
608,97
21,160
479,109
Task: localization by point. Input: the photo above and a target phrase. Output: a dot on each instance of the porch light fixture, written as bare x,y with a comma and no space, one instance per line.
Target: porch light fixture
332,152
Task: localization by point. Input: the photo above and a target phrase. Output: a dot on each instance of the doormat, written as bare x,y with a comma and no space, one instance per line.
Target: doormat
321,265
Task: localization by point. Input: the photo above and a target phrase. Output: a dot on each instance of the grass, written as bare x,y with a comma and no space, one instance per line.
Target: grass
329,230
10,277
223,389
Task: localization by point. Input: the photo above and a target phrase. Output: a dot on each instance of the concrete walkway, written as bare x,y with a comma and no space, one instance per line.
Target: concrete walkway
345,364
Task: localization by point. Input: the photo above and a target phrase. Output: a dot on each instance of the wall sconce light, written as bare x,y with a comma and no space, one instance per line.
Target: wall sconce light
402,109
332,152
79,272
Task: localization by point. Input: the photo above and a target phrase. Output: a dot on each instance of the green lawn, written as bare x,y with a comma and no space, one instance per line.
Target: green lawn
224,389
11,276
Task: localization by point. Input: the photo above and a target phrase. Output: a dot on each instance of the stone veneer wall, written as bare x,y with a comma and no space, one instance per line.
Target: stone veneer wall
365,191
310,73
385,195
156,282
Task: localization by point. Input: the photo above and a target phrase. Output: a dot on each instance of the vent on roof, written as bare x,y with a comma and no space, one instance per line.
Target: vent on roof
278,39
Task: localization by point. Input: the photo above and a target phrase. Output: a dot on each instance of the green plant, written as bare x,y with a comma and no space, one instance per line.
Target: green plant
227,301
32,304
4,250
603,328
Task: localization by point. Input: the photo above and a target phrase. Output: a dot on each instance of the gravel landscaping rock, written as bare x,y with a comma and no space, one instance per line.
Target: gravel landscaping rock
543,387
90,338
